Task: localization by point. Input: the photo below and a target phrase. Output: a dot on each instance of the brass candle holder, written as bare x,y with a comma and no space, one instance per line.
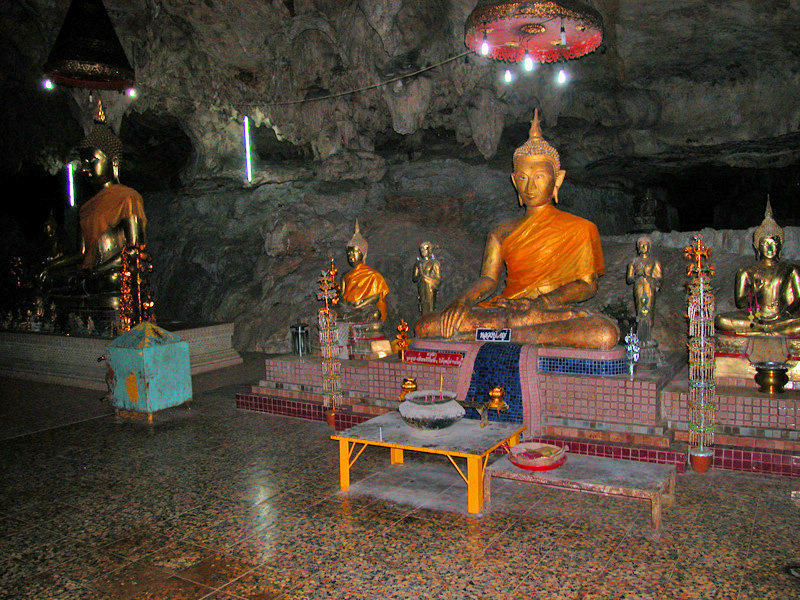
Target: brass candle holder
495,402
409,385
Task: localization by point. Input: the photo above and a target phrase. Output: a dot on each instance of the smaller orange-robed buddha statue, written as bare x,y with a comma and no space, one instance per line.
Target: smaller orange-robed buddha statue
364,290
766,293
113,218
552,259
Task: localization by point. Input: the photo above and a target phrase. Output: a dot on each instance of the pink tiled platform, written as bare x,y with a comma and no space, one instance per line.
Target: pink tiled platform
743,408
662,457
755,461
610,399
301,409
636,418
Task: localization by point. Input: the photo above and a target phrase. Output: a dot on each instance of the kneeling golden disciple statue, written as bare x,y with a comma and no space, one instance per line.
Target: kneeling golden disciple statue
644,272
364,289
766,293
552,258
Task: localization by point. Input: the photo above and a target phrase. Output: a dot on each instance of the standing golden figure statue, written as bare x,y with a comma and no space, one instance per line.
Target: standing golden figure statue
113,218
427,275
552,258
766,293
644,272
364,289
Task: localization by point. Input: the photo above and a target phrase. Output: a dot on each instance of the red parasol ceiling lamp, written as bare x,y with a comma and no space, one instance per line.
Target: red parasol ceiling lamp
544,31
87,52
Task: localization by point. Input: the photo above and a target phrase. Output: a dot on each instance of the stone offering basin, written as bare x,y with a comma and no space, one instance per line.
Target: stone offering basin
430,410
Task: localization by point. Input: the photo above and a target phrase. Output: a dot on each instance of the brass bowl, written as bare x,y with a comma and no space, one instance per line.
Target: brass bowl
771,376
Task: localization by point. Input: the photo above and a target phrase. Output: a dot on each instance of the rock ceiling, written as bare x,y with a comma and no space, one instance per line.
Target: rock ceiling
677,84
690,96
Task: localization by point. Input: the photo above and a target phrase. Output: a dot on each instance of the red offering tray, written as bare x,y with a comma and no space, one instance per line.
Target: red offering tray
535,456
549,467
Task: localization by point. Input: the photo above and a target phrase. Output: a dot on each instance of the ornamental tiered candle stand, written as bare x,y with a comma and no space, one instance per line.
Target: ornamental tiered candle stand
702,382
402,339
136,298
328,342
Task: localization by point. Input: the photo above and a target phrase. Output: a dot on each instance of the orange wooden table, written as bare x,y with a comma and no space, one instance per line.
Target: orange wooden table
464,439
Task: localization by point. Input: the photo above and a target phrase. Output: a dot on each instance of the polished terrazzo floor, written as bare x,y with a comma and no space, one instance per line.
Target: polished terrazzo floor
220,504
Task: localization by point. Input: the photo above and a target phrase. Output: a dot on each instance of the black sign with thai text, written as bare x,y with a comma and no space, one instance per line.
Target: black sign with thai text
483,334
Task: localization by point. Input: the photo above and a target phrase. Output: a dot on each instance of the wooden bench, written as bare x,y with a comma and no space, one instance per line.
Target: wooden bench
596,475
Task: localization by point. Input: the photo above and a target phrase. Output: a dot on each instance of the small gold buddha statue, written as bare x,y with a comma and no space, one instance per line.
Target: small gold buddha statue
552,259
427,274
52,241
113,218
644,272
364,290
766,293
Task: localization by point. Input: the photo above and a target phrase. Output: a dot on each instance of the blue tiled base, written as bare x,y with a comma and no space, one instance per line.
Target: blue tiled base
497,364
582,366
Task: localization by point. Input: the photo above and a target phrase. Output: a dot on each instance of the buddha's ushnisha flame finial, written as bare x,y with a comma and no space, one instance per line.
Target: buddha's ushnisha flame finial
102,137
536,145
99,113
358,241
535,132
768,228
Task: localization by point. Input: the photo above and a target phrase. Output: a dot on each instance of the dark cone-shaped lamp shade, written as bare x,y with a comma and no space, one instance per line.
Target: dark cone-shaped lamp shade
87,52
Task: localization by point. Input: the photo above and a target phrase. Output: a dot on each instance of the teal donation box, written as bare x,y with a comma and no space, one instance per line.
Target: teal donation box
151,370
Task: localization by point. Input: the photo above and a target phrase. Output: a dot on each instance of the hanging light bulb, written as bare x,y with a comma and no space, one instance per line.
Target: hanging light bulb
527,62
131,92
563,35
48,84
561,78
508,77
485,45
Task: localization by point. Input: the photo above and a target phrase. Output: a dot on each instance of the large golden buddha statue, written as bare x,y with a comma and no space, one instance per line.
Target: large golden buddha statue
113,218
766,293
552,259
364,290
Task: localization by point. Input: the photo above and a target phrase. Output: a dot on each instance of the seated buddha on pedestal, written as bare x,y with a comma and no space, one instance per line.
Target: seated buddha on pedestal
767,293
552,259
111,220
363,301
364,289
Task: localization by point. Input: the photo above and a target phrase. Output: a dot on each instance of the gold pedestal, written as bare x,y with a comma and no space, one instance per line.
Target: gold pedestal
736,355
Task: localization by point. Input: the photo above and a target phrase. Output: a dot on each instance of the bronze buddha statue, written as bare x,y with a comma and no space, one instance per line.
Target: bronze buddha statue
552,259
364,290
766,293
111,220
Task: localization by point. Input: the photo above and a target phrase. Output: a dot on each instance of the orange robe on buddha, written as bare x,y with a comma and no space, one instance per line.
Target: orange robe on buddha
364,281
104,211
550,250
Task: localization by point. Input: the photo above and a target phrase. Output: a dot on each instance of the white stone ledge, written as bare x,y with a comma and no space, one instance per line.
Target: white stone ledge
71,360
